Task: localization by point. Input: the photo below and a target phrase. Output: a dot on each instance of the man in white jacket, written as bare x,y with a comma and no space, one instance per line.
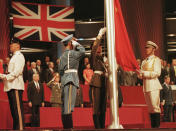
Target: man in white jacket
150,71
14,85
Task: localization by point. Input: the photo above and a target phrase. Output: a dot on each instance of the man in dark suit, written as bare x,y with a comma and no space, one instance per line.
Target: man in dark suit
163,72
35,93
167,99
32,71
45,66
39,70
46,63
49,72
173,72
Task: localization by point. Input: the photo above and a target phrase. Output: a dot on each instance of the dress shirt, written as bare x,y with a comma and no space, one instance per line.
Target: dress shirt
38,68
37,85
166,85
34,70
51,69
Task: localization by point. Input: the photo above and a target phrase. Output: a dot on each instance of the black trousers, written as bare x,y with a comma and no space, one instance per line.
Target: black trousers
90,94
99,106
35,116
99,100
16,108
168,113
173,112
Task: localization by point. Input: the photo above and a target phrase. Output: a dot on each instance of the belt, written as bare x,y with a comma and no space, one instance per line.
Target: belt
9,73
98,72
70,70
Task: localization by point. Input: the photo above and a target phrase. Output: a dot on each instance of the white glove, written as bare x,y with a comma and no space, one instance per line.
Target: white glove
102,32
75,43
105,59
2,76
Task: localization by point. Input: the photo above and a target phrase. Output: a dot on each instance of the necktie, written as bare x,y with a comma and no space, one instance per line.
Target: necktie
38,68
35,71
38,87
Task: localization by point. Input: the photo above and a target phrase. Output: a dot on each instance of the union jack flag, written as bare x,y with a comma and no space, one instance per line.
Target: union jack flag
42,22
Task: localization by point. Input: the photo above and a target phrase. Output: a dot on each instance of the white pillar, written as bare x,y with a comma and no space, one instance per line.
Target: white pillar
113,90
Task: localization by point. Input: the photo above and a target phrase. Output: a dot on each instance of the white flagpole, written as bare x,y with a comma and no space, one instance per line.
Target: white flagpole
113,90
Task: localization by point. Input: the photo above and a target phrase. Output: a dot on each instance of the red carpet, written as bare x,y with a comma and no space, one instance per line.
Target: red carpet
133,114
168,125
131,117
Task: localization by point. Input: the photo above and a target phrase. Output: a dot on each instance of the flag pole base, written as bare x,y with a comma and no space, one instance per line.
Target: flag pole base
115,126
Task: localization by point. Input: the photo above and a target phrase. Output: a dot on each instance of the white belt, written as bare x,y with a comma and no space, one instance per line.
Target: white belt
98,72
71,70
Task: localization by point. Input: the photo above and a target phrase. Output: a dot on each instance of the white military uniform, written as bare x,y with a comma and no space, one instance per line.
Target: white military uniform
14,86
151,68
15,70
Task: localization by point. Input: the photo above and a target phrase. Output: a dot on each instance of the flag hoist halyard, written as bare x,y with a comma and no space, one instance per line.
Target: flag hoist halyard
42,22
119,48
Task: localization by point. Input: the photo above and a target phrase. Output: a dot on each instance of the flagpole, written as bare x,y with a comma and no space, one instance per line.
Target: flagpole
113,90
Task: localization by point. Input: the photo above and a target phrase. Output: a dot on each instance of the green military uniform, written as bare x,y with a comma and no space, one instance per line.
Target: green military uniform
55,94
98,87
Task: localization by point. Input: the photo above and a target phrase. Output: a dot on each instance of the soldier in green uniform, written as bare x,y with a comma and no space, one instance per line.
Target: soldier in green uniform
98,82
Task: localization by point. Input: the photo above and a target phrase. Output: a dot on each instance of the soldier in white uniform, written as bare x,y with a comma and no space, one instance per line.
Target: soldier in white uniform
150,71
14,85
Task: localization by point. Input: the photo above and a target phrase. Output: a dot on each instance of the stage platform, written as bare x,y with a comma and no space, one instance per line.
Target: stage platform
90,129
133,115
130,117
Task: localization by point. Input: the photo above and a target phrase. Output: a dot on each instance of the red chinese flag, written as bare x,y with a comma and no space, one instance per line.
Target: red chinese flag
1,68
124,52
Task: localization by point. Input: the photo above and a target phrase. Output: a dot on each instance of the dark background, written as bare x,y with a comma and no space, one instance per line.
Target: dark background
84,9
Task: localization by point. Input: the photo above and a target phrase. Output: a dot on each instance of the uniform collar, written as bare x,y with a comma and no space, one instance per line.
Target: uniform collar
166,84
16,52
150,57
66,50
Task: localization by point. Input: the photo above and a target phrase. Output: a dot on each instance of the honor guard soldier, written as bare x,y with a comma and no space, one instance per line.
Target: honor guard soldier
14,85
150,71
68,70
98,82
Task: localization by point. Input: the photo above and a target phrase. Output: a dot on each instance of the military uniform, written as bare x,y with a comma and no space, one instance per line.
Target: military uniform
151,68
55,94
69,77
14,86
98,87
69,62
